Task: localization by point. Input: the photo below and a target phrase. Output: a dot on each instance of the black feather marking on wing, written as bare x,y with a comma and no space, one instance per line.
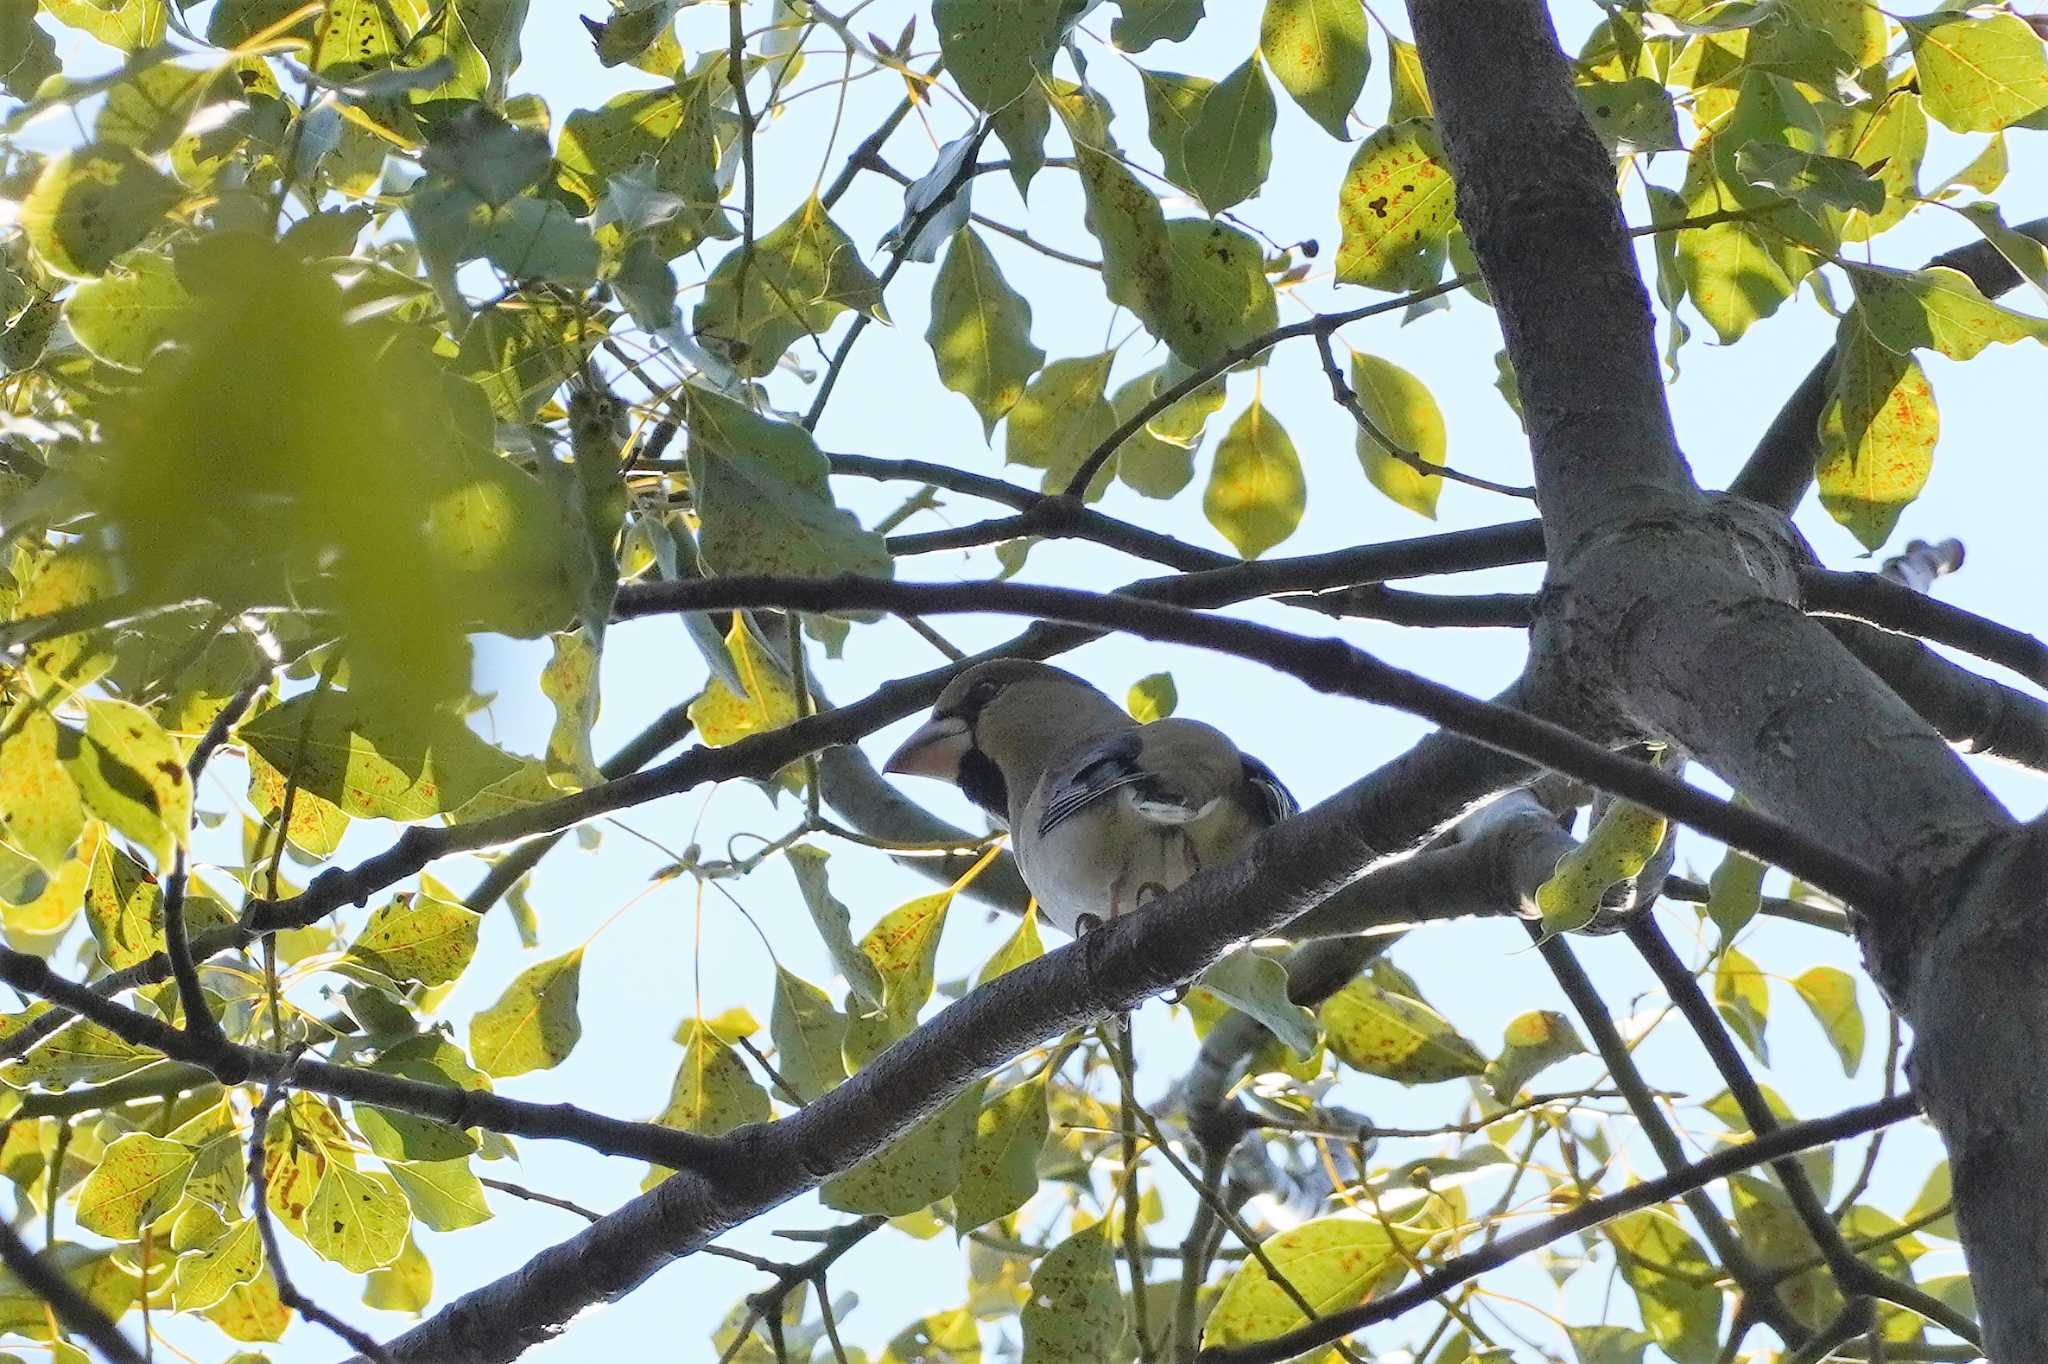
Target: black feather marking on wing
1111,768
1276,802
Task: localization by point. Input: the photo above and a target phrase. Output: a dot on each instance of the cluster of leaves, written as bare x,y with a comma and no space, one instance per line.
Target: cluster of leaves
287,337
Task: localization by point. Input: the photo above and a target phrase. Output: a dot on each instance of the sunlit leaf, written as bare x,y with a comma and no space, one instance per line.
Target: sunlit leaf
138,1179
1742,994
1396,208
1256,493
1618,848
90,205
995,49
131,774
1000,1173
41,814
713,1093
1531,1043
809,1036
980,331
1145,22
1393,1035
1075,1310
1831,993
1734,893
1318,54
1681,1309
1978,75
802,274
534,1025
445,1195
1403,409
1256,984
372,762
1152,697
1937,309
1877,434
1229,146
917,1169
1333,1262
121,316
1063,414
357,1218
404,1285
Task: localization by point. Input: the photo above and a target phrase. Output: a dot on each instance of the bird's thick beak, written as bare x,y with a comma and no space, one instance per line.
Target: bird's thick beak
935,750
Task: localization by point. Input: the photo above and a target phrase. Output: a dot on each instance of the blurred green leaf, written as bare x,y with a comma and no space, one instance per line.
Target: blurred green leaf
90,205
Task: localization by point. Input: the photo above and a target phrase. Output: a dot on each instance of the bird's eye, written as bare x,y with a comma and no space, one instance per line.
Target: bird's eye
983,692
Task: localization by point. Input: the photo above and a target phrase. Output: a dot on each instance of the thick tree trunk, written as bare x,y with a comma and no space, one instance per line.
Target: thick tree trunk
1672,614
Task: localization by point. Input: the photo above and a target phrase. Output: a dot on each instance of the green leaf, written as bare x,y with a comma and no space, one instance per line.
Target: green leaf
138,1179
1221,297
713,1091
1410,96
357,1218
131,774
428,1057
1318,54
1682,1314
1402,407
1142,23
1530,1044
123,907
1396,207
28,55
1831,994
1021,946
1608,1344
1938,309
809,1036
41,815
802,274
1887,138
79,1053
1172,101
211,1269
678,131
444,1194
1877,434
996,49
980,331
130,25
1256,985
1978,75
374,761
534,239
903,946
914,1171
404,1285
2022,252
1935,1194
570,682
1152,697
418,939
1985,172
1256,494
1229,146
1075,1310
1149,465
1815,180
1617,850
1062,416
123,315
834,924
91,204
534,1024
1631,116
1742,995
1333,1262
763,494
1000,1173
1735,893
1395,1036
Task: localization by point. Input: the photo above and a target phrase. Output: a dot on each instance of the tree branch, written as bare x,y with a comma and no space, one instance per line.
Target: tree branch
1888,604
72,1307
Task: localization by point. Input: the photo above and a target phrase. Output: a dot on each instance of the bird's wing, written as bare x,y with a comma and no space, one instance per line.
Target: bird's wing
1095,774
1275,802
1171,772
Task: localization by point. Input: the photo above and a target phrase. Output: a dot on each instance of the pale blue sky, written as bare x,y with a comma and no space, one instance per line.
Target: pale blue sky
1990,486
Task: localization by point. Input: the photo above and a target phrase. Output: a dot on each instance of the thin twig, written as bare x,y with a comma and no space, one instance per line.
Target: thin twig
1347,398
287,1292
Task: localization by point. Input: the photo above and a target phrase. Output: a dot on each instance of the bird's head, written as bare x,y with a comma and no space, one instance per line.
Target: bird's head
996,726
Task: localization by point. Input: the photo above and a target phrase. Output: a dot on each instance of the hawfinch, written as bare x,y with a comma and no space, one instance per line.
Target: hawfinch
1105,813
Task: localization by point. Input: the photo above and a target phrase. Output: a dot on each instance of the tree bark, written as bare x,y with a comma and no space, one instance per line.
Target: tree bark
1670,614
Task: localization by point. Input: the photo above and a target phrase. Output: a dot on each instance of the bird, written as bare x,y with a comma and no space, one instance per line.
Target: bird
1105,813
